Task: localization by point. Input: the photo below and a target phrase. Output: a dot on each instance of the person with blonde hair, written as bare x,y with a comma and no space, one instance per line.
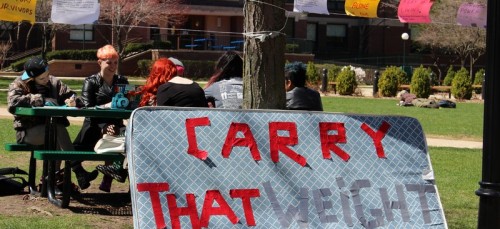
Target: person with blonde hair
98,90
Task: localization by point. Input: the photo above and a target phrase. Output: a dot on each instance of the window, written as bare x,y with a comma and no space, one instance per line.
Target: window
311,31
336,6
336,35
154,33
81,33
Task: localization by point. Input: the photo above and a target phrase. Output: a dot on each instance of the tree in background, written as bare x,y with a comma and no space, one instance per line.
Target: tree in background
264,55
126,15
446,37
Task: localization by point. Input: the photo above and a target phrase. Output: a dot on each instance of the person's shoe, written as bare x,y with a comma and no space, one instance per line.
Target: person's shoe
84,178
118,174
106,184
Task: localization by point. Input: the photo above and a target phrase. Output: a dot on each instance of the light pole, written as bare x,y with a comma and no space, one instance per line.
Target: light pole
405,37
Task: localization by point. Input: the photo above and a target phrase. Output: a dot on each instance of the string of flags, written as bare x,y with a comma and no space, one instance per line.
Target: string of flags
77,12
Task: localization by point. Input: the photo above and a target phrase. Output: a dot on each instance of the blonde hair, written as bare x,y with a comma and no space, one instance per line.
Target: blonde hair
107,52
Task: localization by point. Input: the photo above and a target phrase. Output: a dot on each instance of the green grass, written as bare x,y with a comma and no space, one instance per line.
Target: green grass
463,122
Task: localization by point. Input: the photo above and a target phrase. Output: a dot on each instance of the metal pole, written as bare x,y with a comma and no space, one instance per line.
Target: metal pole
375,84
324,81
489,191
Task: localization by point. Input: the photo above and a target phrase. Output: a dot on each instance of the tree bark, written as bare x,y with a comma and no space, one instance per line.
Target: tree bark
264,56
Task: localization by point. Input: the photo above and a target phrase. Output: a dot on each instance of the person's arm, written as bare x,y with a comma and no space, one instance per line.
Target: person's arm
17,97
88,98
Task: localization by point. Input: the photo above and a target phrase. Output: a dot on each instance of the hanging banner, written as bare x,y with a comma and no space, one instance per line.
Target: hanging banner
20,10
472,14
310,6
75,12
361,8
415,11
216,168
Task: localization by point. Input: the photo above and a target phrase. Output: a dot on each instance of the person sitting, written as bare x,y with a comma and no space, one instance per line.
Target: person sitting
298,96
163,88
225,86
37,88
99,90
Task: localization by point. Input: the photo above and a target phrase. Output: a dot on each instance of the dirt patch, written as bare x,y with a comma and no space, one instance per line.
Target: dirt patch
105,210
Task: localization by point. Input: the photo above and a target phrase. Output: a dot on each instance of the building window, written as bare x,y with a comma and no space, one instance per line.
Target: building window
154,33
336,36
81,33
311,31
336,6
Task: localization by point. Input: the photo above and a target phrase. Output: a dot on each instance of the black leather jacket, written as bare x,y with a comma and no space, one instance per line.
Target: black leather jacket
96,92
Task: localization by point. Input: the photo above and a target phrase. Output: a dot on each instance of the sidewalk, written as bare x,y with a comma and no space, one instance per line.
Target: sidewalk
430,141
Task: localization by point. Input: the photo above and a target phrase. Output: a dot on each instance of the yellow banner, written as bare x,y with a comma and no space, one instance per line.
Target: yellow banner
361,8
17,10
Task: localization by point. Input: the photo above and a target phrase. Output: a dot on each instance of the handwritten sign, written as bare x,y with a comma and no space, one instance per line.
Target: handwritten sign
414,11
472,14
361,8
310,6
17,10
75,12
194,168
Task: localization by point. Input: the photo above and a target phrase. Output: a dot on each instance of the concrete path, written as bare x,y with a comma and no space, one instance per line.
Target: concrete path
430,141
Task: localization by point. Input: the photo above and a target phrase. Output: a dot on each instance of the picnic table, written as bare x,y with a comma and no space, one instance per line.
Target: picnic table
50,155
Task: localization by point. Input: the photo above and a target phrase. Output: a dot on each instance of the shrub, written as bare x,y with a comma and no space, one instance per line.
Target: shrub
136,47
290,48
89,54
333,72
478,80
144,66
389,81
420,82
162,44
313,75
461,87
449,76
346,82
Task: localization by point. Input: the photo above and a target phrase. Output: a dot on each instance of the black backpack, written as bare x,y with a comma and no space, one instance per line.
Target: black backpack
10,181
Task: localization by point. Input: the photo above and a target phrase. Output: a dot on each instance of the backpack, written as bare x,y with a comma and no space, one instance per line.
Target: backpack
10,182
447,104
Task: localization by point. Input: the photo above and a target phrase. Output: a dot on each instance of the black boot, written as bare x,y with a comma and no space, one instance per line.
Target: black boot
84,178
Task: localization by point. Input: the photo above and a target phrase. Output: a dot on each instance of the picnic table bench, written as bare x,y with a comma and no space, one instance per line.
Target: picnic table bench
54,155
15,147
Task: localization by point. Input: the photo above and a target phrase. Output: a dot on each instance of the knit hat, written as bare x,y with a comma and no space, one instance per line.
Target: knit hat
178,65
34,67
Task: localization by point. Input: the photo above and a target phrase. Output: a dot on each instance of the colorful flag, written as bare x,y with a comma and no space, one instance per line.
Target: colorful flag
414,11
21,10
472,14
361,8
310,6
75,12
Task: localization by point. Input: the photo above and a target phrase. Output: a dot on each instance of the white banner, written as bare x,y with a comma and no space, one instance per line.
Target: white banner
310,6
75,12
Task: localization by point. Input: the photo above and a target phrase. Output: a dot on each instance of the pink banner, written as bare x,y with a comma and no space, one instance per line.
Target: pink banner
472,14
414,11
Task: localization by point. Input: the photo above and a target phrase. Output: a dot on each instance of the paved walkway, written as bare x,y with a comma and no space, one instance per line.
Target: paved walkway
430,141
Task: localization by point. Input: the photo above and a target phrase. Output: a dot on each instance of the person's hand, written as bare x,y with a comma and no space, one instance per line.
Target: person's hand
70,102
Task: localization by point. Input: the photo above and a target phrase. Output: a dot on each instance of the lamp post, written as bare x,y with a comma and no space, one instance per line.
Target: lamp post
405,37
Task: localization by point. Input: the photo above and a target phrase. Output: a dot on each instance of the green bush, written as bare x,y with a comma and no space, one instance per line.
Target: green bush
89,54
333,72
346,82
461,87
420,84
162,45
449,76
290,48
143,66
313,74
478,80
137,47
389,81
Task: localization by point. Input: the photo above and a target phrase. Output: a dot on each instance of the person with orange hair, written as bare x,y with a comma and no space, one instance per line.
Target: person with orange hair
163,88
98,90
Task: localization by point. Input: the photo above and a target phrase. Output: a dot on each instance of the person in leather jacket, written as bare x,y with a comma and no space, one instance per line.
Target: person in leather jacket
98,90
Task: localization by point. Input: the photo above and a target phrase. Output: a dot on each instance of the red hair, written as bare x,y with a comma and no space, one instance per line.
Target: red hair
161,72
107,52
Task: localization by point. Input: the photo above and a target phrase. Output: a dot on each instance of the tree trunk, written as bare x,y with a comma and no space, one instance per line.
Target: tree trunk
264,56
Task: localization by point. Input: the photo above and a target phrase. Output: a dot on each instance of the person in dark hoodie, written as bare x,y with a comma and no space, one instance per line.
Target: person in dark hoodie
298,96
